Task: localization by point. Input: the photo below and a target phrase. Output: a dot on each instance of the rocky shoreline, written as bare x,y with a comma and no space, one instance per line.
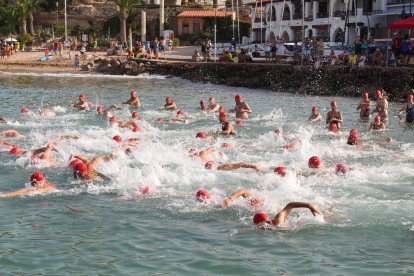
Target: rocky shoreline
325,80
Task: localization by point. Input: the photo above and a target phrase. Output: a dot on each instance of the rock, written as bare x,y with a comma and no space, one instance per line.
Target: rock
86,67
140,65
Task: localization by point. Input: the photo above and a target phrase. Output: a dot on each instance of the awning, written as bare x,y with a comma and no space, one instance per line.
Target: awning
405,24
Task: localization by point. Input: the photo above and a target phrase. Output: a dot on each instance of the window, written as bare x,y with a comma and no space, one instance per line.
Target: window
196,26
186,27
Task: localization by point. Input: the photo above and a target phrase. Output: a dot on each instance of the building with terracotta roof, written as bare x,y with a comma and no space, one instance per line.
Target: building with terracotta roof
191,21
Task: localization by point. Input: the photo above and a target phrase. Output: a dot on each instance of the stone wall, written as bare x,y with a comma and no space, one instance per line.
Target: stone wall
329,80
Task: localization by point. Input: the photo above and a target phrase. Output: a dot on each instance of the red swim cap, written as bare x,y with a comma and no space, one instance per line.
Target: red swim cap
410,97
378,118
315,162
37,177
378,93
203,195
281,170
221,108
315,108
201,135
160,120
238,97
333,127
211,99
82,96
340,168
145,190
222,114
260,217
24,109
353,138
180,112
16,151
134,115
209,165
239,122
117,138
333,103
354,130
82,168
113,119
168,99
365,95
226,145
100,108
74,162
133,93
136,129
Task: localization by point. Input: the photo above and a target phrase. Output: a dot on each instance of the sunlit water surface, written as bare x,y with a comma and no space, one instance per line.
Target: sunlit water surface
369,213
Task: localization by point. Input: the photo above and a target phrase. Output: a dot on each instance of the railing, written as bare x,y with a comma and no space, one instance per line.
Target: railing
322,15
257,20
397,2
297,16
372,12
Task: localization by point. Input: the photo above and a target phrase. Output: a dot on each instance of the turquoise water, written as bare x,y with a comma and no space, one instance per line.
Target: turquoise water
367,227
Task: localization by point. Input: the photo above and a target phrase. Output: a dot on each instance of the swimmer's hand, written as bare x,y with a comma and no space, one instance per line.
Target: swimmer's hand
315,210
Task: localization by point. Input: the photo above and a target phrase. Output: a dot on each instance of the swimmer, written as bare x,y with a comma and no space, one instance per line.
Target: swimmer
44,112
408,108
134,100
83,104
180,117
7,143
113,121
382,106
214,106
353,138
87,170
334,116
231,166
315,116
281,171
364,106
135,116
262,219
204,137
170,104
105,112
314,166
242,108
128,144
227,128
45,153
292,146
254,201
12,133
203,106
377,124
204,154
38,183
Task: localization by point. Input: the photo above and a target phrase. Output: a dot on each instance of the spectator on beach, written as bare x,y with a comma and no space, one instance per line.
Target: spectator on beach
397,44
267,50
378,57
353,59
406,49
333,58
196,56
392,61
362,60
95,45
76,62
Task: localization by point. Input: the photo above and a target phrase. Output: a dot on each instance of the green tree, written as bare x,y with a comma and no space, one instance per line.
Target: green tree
25,9
124,8
8,19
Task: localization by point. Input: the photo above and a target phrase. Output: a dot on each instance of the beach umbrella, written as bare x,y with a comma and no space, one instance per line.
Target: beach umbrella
10,39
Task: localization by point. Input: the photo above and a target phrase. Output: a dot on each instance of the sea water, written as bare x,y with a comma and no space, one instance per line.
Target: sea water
108,228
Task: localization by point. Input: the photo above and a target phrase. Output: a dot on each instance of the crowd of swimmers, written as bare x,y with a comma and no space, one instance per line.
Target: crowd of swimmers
85,168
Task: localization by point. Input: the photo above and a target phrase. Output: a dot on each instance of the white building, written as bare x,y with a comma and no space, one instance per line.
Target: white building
333,20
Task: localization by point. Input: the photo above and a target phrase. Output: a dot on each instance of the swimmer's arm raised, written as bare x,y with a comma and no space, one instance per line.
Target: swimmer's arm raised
7,143
280,217
98,159
238,193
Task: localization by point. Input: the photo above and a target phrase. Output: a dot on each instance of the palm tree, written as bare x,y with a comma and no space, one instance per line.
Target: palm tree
124,8
25,9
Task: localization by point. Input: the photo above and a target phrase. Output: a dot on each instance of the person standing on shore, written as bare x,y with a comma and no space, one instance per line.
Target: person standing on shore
364,107
409,110
334,116
242,108
382,106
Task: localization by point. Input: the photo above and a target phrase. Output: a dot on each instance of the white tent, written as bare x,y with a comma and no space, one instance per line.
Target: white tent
10,39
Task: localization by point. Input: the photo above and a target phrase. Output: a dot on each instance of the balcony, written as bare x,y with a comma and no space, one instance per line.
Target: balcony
322,15
372,12
257,20
398,2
